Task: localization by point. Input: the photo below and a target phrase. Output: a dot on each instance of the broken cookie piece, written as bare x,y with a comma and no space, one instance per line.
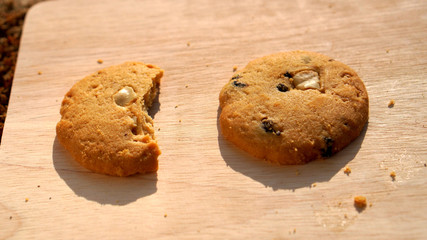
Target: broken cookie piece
104,120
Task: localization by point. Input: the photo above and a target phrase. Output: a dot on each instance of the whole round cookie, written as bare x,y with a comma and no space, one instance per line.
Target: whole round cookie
105,124
293,107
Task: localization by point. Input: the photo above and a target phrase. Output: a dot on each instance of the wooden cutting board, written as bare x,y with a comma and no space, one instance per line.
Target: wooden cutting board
205,187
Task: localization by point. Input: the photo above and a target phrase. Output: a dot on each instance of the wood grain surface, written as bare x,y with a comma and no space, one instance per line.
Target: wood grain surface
206,188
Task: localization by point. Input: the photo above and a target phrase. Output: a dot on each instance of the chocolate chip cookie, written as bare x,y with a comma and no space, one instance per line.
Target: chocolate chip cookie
293,107
105,125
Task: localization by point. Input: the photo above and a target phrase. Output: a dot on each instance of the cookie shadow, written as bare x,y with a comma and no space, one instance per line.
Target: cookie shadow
290,177
97,187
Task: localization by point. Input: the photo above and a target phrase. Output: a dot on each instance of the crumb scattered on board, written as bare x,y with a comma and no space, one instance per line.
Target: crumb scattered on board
360,202
39,73
234,68
100,61
26,199
391,103
393,175
347,170
188,44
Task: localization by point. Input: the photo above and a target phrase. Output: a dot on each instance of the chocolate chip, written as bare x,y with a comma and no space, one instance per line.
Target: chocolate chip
327,151
236,77
268,126
288,75
282,87
239,84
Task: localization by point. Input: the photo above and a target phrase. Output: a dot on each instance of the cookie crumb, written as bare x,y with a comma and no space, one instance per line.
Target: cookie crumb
370,204
10,218
165,216
50,198
39,72
188,44
313,185
387,51
176,106
393,175
425,164
339,204
360,202
180,120
26,199
295,230
347,170
158,129
345,215
186,86
100,61
38,186
391,103
234,68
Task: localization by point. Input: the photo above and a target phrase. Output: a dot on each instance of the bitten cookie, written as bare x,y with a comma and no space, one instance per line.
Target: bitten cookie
293,107
105,125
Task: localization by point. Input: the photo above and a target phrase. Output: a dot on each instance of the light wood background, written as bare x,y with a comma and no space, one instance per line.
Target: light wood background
205,187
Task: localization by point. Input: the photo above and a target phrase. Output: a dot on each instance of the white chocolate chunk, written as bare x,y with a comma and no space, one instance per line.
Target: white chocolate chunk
306,80
124,96
135,121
